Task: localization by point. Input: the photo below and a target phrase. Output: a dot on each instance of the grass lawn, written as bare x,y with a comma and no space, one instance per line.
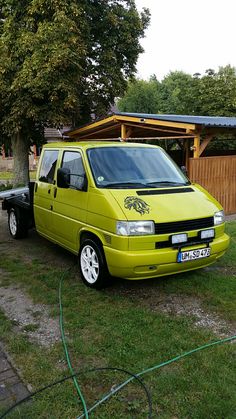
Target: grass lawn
9,175
125,326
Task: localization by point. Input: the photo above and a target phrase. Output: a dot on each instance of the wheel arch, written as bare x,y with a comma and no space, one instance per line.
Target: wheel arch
92,240
89,234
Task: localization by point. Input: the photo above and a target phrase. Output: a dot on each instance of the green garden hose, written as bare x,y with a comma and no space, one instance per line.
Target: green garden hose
120,386
155,367
79,392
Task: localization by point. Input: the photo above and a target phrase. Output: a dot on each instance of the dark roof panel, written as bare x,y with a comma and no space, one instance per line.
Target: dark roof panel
209,121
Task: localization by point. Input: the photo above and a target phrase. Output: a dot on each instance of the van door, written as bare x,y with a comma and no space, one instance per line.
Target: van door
43,205
70,205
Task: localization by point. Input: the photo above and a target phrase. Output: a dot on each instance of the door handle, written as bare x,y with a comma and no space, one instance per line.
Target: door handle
51,207
49,190
55,192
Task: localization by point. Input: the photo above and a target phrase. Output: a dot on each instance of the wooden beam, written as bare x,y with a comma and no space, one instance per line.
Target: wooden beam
204,144
135,138
160,138
151,121
116,139
86,136
94,125
129,132
196,147
139,126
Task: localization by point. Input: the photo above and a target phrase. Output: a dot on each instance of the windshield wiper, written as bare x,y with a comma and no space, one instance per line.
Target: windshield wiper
121,185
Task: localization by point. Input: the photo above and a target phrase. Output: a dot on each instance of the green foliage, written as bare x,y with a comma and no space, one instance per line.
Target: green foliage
62,60
175,94
179,93
141,96
212,94
217,92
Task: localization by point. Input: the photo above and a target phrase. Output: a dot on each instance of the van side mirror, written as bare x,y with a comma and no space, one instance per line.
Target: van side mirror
63,177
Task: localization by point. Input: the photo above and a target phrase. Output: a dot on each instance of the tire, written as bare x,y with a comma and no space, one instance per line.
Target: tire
92,265
16,224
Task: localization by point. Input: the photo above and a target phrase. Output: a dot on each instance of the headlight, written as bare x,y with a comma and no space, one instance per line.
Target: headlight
219,218
135,228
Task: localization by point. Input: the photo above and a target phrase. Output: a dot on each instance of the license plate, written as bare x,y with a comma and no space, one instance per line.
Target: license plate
193,254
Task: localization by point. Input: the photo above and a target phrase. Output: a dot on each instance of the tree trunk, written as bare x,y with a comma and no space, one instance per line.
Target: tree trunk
20,150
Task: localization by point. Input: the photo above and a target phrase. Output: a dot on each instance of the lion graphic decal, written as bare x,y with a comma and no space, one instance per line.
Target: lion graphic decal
132,202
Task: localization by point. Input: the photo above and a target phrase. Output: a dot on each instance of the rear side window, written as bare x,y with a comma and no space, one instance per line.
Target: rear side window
48,166
72,160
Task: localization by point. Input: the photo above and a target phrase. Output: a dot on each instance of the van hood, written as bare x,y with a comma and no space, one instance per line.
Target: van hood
166,204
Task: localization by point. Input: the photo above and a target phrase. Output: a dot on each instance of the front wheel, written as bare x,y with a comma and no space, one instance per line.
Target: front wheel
16,223
92,264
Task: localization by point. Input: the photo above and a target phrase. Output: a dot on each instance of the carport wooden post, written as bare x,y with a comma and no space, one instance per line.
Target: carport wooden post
123,132
196,147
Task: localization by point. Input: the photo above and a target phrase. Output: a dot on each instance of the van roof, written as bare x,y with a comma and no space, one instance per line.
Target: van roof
93,144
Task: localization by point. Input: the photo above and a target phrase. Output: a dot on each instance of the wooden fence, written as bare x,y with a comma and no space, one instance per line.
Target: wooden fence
218,176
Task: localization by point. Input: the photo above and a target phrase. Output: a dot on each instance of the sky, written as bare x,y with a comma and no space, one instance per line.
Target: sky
187,35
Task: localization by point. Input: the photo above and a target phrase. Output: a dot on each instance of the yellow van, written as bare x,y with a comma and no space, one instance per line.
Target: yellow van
126,210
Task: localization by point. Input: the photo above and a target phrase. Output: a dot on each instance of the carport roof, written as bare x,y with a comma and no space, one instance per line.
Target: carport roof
150,125
209,121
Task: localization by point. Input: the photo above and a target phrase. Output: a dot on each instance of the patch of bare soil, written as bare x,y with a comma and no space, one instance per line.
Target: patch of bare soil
31,319
150,296
188,306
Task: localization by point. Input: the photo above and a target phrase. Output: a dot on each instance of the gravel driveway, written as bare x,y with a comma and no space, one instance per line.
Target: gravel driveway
29,318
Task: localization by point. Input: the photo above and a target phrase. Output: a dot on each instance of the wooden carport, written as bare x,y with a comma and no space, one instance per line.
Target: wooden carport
192,133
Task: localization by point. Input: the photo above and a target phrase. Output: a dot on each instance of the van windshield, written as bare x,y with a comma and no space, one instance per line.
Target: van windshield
134,167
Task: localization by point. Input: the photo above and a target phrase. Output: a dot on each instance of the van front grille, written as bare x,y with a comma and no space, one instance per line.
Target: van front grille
179,226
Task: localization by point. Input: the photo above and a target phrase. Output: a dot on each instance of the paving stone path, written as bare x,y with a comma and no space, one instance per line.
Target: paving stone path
11,387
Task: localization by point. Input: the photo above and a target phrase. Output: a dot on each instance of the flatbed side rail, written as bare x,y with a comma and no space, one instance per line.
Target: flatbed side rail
14,192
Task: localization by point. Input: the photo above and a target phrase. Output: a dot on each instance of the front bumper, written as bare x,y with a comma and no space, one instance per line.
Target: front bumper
159,262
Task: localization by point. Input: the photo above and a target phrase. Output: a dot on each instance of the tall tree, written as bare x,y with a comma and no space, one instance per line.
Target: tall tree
217,92
141,97
213,93
60,61
178,93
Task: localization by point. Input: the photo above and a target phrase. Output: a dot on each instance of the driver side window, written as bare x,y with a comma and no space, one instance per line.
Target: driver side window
72,160
48,166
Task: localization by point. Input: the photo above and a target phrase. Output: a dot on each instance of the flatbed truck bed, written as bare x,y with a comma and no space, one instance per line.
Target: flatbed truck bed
19,205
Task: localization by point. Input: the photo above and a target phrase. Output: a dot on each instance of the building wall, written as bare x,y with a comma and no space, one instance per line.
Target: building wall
7,163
